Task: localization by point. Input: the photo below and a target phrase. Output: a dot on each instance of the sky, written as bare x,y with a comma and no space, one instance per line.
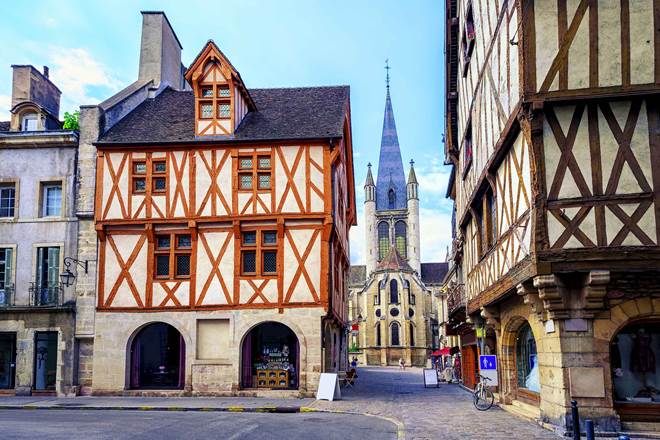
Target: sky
92,50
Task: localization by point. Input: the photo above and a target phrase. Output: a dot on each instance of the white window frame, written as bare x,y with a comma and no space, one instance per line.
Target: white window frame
9,184
45,186
27,118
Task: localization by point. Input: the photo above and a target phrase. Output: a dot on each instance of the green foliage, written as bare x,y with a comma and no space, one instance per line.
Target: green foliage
71,121
354,348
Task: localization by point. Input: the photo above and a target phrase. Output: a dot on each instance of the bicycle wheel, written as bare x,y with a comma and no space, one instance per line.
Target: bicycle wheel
483,399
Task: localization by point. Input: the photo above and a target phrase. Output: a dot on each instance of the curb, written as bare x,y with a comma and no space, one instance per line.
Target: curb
400,427
260,409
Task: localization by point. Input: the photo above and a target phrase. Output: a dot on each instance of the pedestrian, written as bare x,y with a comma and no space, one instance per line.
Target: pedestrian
354,362
402,364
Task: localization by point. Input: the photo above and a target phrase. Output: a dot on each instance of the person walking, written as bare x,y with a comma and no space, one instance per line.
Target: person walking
402,364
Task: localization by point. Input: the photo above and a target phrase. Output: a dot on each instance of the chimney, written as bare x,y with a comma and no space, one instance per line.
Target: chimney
28,84
160,51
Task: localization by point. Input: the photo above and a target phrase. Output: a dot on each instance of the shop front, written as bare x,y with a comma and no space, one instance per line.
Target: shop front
157,358
7,361
635,366
45,361
469,359
270,357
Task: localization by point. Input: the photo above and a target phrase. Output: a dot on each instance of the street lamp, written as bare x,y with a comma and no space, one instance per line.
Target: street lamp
67,276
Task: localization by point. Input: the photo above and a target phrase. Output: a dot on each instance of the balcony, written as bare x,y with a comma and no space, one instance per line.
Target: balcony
456,298
50,296
7,296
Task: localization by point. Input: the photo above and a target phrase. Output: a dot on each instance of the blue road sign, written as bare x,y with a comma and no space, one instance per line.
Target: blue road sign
488,362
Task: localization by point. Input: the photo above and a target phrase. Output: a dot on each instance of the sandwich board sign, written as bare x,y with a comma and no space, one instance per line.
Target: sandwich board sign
328,387
430,378
488,368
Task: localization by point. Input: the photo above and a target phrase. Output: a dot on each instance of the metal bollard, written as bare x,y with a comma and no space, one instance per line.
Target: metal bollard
589,427
576,420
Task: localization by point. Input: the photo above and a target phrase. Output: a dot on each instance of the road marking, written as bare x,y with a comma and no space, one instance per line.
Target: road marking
242,432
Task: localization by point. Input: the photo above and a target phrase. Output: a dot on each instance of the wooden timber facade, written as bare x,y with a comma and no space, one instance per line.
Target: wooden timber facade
553,134
222,215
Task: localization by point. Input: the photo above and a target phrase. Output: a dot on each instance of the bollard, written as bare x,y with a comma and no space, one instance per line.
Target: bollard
589,427
576,420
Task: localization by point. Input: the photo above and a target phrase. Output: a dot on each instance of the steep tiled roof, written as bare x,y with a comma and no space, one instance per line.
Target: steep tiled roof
4,125
390,166
434,273
358,275
294,113
394,261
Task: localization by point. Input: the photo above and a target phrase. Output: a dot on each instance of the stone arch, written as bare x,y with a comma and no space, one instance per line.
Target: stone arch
507,343
295,344
146,368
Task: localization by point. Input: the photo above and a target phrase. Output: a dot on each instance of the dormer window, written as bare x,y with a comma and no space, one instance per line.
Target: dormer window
221,98
29,122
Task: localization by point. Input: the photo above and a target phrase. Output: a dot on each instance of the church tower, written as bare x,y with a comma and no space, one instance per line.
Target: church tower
391,205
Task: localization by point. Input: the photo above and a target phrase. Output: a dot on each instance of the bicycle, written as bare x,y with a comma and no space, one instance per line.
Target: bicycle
483,396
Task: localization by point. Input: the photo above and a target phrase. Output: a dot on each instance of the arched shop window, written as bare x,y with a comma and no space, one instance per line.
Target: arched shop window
270,357
527,366
395,334
383,239
158,358
394,292
635,362
400,238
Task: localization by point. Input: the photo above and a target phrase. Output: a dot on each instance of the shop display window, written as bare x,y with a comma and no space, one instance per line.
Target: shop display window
634,358
527,365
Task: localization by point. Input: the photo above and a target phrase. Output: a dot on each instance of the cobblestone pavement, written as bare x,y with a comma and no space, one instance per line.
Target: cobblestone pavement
443,413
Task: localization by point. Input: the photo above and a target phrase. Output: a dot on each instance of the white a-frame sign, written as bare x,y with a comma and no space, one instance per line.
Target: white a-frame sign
328,387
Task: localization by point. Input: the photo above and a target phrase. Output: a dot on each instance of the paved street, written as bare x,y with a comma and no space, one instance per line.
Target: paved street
443,413
391,394
148,425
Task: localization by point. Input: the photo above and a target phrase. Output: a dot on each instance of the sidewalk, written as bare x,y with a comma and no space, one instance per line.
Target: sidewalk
235,404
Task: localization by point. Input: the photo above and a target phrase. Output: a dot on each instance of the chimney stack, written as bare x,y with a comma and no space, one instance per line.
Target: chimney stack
160,51
28,84
46,71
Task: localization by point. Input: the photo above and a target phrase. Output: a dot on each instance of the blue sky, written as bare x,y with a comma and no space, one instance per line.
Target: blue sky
92,49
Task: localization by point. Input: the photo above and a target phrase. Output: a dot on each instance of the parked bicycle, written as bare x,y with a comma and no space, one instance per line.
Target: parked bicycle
483,396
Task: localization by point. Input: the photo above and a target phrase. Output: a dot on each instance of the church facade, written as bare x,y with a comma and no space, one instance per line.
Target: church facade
392,298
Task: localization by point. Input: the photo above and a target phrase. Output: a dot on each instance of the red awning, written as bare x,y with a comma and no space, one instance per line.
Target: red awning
444,351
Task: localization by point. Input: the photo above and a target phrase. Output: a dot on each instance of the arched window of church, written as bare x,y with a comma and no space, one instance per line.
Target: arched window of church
400,238
378,334
412,334
383,239
394,329
394,292
391,198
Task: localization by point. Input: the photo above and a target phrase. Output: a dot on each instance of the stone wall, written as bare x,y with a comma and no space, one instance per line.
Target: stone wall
115,331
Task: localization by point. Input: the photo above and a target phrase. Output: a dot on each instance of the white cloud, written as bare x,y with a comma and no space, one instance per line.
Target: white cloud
5,104
75,71
432,176
358,239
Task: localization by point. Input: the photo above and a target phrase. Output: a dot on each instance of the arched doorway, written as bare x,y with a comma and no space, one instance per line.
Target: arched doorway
157,358
270,357
527,376
635,367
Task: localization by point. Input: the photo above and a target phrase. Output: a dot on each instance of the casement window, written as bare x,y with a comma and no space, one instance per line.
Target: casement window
140,174
490,213
172,256
29,122
259,253
6,268
46,289
255,171
467,149
7,200
51,199
468,39
215,102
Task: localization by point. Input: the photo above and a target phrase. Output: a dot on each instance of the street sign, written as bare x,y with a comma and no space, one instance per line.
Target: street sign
488,368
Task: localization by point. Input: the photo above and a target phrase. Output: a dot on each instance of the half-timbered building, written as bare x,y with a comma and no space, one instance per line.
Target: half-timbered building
553,133
222,215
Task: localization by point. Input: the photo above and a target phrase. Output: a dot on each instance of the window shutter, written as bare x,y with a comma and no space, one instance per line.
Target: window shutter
53,266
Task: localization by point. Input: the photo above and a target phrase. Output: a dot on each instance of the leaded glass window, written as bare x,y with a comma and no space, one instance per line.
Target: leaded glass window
383,240
400,238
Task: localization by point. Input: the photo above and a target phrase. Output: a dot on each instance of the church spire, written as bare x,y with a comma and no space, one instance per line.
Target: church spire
390,165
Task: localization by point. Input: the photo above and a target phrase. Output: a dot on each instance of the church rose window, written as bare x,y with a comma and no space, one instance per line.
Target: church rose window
394,312
383,239
400,238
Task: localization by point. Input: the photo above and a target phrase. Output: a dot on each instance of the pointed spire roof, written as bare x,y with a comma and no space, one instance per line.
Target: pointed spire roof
412,177
370,177
390,166
394,261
